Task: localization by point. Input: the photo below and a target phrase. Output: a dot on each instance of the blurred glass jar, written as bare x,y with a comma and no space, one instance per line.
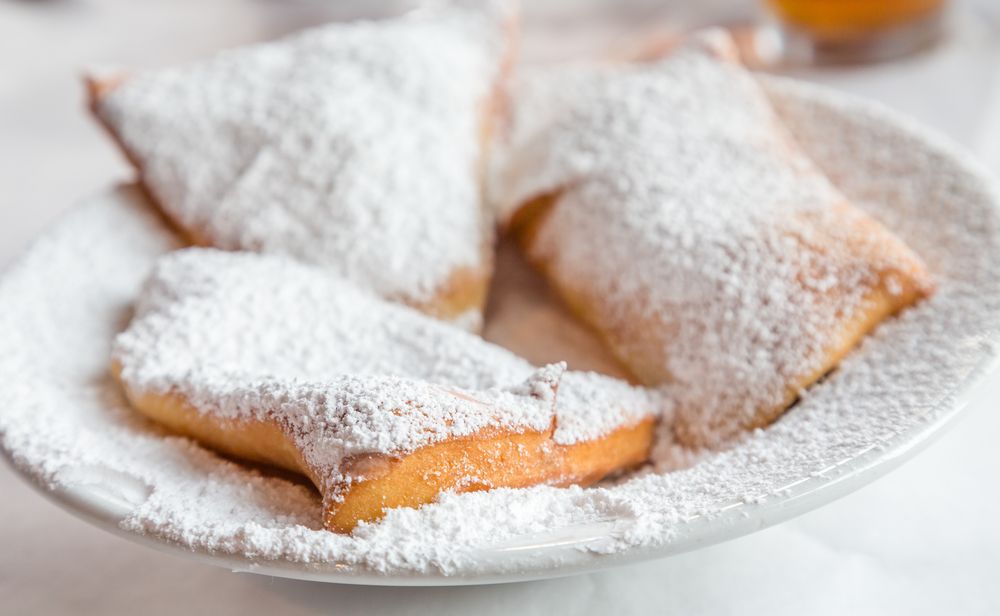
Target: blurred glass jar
855,31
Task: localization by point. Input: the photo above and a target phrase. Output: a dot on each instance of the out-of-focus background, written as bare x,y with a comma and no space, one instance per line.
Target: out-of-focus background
924,540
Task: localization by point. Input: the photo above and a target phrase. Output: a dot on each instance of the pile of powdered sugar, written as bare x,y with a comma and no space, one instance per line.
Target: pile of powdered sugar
63,303
237,148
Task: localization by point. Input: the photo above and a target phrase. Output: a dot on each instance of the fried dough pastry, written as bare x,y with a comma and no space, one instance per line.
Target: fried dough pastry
357,147
675,215
277,362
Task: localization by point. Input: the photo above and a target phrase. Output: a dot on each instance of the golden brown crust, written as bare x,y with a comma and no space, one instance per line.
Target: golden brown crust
462,293
489,459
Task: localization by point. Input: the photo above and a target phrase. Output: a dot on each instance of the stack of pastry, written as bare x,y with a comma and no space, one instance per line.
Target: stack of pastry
664,202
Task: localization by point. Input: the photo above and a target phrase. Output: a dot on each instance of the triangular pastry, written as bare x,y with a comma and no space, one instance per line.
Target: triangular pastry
357,147
380,406
673,212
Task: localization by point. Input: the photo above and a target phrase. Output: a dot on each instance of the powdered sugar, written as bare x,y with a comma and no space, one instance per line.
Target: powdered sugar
353,146
66,300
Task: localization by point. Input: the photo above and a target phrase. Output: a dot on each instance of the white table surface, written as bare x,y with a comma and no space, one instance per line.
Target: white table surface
923,540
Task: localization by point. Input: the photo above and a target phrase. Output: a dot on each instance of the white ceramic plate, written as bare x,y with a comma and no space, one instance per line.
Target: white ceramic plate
71,292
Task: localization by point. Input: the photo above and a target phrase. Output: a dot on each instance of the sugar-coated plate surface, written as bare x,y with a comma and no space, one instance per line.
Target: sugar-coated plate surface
64,426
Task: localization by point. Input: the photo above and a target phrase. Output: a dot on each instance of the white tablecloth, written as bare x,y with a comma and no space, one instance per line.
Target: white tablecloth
923,540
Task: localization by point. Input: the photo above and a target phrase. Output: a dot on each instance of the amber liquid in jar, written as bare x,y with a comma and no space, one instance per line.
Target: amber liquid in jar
858,29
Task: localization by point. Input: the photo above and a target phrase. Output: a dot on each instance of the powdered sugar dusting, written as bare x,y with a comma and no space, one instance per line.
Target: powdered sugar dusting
62,413
352,146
